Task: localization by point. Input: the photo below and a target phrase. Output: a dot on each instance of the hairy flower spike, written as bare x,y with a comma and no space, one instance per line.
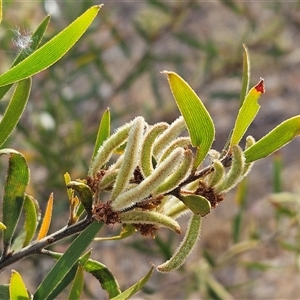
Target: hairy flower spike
130,156
149,217
147,147
185,248
179,142
147,186
169,135
217,175
178,176
234,175
106,150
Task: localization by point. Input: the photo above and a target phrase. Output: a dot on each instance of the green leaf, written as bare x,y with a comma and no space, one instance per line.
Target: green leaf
104,276
246,75
31,221
17,288
247,112
15,109
4,291
199,123
67,261
31,218
14,189
135,288
274,140
52,51
85,194
36,39
77,285
197,204
103,131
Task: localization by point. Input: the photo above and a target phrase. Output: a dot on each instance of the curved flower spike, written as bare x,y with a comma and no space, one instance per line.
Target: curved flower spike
185,248
147,186
217,175
106,150
169,135
179,142
149,217
147,147
235,174
130,158
178,176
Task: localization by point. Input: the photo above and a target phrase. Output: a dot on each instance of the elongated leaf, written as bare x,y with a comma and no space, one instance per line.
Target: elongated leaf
14,189
246,75
103,131
17,288
31,221
274,140
52,51
197,204
135,288
31,218
104,276
197,118
127,231
77,285
247,112
15,109
67,261
47,219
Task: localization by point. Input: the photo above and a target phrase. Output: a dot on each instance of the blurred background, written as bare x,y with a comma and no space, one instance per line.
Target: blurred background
251,243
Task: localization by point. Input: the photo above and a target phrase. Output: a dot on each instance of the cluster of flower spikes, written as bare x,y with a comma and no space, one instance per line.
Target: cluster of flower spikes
152,182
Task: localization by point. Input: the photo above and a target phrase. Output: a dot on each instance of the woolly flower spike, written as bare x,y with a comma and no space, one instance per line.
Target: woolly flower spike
169,135
106,150
130,156
147,186
185,248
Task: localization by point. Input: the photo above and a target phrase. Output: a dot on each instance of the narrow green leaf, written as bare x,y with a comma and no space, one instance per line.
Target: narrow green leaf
77,285
197,204
274,140
31,221
67,261
104,276
17,288
85,194
31,218
246,75
197,118
15,109
135,288
4,291
14,189
0,11
52,51
36,39
103,131
247,113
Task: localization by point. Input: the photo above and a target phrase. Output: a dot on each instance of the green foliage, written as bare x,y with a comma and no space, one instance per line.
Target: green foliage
142,176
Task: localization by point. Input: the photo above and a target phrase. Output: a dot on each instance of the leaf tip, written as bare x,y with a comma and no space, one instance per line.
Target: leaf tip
260,87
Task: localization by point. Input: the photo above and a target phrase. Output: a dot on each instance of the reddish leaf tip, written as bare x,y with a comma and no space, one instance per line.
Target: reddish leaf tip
260,87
